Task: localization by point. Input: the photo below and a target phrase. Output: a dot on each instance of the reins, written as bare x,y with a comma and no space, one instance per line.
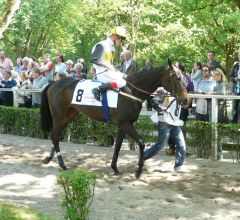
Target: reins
140,90
152,93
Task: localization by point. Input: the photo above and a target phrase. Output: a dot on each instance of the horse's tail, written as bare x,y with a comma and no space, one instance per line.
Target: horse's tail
46,120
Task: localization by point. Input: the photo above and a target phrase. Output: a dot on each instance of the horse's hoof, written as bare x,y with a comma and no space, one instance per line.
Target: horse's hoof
116,172
46,160
138,173
65,169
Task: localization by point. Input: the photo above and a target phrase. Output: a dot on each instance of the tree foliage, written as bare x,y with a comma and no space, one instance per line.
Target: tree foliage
182,30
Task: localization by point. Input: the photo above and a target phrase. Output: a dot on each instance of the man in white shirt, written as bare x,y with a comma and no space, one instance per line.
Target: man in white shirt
167,116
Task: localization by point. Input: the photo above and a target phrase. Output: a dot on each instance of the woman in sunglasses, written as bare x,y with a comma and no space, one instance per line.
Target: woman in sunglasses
205,86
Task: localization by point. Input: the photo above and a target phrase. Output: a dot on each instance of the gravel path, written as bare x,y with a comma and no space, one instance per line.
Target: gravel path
210,191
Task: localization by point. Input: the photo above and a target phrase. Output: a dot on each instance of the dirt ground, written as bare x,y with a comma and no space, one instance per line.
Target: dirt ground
210,191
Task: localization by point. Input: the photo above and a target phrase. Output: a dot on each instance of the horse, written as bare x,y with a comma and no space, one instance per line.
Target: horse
56,109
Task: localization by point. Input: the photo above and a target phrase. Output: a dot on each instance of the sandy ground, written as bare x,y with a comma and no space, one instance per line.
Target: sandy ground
210,191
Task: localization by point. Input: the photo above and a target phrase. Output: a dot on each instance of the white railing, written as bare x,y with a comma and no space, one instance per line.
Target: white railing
15,92
214,108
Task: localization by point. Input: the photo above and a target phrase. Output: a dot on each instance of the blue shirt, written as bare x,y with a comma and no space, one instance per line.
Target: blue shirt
206,86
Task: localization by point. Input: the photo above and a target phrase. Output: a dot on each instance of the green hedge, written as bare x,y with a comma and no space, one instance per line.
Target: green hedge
25,122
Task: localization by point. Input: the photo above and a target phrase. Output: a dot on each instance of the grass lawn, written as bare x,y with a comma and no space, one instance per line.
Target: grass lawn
12,212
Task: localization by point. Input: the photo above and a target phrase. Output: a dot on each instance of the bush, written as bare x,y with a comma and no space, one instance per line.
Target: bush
78,189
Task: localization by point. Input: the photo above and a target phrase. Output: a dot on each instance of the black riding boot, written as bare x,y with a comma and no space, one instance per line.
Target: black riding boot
101,89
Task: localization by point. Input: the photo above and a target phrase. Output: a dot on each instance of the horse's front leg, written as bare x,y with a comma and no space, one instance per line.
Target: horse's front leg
118,144
130,130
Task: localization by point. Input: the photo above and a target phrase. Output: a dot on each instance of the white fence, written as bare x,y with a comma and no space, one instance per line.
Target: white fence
214,108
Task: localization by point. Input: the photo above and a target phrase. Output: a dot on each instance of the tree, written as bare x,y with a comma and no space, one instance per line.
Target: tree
10,8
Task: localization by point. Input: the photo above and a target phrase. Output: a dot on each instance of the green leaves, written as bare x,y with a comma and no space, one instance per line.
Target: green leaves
78,189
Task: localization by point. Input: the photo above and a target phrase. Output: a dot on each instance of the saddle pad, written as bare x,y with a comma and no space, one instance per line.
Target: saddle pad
83,94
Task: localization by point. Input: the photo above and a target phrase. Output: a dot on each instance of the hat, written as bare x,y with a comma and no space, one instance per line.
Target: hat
69,62
120,31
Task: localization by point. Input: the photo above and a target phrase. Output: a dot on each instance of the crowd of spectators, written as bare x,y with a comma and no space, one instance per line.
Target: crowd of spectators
29,73
206,78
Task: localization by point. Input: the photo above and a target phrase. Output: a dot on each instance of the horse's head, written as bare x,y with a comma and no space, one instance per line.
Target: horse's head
174,82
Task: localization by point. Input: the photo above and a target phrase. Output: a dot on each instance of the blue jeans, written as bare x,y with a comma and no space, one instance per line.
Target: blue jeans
164,131
235,105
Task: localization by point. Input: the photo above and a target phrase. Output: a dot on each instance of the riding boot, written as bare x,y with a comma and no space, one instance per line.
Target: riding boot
101,89
104,87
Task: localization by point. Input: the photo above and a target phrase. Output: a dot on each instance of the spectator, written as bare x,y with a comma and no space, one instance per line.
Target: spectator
130,66
5,63
235,78
59,76
204,86
39,82
212,62
24,98
25,62
18,67
168,124
47,68
78,71
93,73
7,96
70,70
120,65
84,69
15,76
196,74
149,66
220,89
60,66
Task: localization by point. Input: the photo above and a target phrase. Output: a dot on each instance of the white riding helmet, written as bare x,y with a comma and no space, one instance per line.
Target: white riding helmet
120,31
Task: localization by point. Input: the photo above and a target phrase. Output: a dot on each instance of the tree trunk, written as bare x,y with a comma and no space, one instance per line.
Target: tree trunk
237,3
11,7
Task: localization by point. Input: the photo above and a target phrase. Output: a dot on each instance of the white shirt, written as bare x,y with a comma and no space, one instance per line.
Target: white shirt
171,112
107,55
127,64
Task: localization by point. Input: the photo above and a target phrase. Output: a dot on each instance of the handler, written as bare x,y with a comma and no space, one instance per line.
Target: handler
167,117
102,59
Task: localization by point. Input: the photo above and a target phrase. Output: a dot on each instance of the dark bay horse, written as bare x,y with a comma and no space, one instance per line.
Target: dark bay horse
57,111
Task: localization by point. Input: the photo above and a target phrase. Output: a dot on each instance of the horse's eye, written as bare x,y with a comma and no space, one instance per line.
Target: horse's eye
178,78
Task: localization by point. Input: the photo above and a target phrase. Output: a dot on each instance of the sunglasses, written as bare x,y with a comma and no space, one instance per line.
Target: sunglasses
205,70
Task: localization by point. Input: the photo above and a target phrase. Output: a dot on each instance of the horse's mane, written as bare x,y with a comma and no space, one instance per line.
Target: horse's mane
142,73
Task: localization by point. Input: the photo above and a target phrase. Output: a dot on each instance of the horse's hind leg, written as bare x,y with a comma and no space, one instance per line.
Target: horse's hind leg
55,141
130,130
50,157
118,144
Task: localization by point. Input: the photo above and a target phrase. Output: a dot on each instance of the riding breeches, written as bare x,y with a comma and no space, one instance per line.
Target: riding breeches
112,76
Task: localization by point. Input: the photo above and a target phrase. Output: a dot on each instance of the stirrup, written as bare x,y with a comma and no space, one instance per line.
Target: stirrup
96,93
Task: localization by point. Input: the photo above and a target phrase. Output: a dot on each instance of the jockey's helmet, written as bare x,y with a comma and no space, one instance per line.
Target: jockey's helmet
120,31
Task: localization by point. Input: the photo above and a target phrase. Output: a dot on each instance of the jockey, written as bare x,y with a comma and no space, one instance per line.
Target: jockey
102,59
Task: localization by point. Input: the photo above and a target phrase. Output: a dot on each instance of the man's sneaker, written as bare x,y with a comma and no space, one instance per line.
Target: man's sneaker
181,169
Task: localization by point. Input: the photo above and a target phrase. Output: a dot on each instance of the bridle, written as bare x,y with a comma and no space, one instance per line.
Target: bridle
173,93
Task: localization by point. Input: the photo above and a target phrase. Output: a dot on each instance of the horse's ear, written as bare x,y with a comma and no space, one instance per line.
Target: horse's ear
176,70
